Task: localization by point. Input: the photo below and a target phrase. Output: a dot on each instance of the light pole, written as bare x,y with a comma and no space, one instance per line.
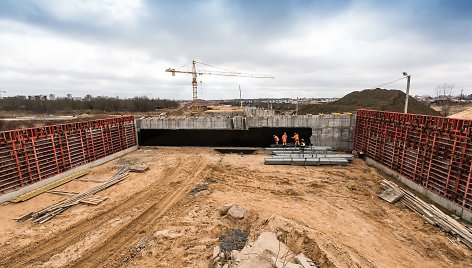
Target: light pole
408,77
240,98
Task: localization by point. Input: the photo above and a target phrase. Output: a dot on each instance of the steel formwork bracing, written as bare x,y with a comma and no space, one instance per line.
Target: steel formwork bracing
432,151
34,154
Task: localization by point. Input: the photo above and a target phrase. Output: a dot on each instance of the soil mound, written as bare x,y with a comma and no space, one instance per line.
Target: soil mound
374,99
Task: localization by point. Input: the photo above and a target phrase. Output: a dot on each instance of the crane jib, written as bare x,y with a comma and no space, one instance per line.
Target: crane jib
225,72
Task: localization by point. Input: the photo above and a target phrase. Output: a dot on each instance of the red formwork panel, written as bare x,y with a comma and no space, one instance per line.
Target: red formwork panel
432,151
33,154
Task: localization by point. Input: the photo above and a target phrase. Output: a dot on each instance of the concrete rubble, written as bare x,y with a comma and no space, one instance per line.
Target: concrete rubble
267,251
233,210
237,211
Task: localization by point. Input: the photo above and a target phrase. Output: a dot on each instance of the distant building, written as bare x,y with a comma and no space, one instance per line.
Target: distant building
424,98
37,97
69,96
52,96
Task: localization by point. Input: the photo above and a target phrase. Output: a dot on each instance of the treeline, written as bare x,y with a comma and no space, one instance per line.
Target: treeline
263,104
100,104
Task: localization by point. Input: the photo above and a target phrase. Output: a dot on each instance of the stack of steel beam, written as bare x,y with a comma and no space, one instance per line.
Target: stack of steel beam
434,152
34,154
310,156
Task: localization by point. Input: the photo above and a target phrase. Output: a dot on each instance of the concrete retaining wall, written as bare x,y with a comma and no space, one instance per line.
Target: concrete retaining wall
332,130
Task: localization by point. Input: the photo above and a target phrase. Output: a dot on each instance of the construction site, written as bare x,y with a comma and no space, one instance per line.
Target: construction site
369,189
235,134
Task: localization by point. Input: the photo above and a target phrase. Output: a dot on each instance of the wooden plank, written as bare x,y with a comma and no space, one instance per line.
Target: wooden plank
61,192
432,214
49,186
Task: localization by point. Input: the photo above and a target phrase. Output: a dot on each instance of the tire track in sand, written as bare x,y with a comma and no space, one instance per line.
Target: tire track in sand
111,252
42,251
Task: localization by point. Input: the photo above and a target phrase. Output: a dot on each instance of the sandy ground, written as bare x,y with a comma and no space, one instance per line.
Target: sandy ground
466,114
332,214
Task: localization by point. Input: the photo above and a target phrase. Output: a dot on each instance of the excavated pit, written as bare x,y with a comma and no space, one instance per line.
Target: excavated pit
253,137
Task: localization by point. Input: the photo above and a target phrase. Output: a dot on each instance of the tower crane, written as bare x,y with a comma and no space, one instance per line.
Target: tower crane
223,72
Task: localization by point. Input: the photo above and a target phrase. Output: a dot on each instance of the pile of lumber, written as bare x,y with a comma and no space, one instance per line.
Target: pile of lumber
84,197
431,213
49,186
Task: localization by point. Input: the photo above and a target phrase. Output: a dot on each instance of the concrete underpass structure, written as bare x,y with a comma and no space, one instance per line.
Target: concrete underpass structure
333,130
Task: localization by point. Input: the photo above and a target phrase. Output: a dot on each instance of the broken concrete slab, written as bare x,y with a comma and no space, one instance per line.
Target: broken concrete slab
216,251
277,262
262,260
266,241
224,209
237,211
305,261
391,195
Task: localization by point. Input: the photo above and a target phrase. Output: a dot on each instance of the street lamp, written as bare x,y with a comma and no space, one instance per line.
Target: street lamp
408,77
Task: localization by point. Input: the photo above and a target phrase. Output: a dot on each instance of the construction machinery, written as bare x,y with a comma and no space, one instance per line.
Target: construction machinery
223,72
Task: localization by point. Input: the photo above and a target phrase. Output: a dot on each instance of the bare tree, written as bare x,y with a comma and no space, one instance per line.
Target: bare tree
444,97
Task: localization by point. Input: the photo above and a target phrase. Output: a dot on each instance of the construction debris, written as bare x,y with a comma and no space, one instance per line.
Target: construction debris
233,210
138,168
66,193
233,239
237,211
85,197
203,188
49,186
267,251
391,195
431,213
305,261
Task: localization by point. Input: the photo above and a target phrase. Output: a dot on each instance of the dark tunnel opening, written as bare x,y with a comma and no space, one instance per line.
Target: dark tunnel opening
254,137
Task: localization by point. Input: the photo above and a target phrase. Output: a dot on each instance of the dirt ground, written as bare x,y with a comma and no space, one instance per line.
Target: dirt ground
168,217
466,114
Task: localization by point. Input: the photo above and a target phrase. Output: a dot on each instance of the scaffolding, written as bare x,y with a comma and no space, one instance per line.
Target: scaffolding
34,154
434,152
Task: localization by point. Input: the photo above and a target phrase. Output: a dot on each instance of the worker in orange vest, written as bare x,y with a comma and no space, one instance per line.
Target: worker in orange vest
297,139
284,139
276,139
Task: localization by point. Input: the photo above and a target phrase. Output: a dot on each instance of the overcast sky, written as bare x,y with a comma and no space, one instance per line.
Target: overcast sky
312,48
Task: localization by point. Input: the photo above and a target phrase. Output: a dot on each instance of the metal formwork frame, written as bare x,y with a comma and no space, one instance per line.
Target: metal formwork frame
433,151
33,154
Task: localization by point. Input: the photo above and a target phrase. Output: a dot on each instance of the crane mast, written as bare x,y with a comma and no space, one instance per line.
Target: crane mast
195,73
194,80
